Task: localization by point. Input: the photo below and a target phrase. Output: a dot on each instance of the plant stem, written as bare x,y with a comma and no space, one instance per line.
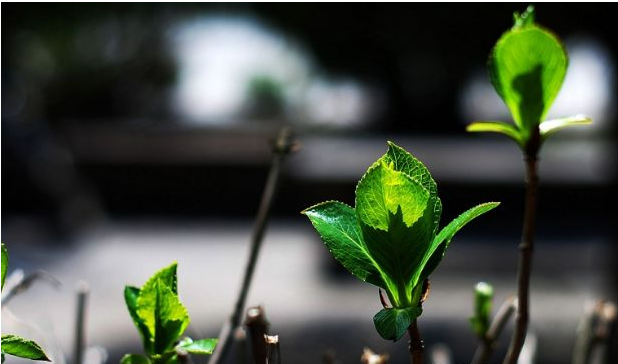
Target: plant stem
415,344
488,343
283,146
526,249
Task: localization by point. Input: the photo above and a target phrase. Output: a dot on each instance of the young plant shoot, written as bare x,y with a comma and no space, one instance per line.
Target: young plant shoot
527,67
391,239
161,319
13,344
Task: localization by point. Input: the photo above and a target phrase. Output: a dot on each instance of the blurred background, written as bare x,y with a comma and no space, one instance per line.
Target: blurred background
134,135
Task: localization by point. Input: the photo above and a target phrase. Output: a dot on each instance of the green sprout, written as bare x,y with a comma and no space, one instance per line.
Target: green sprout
527,67
161,319
13,344
483,297
391,239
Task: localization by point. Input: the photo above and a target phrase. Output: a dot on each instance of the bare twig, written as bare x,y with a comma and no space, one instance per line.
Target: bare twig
80,323
283,146
415,347
594,335
488,343
273,354
526,249
25,283
258,328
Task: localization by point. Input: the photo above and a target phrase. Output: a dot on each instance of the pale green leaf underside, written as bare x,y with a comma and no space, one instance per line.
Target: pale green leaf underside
5,263
496,127
382,191
440,243
23,348
549,127
199,347
337,225
134,359
392,323
527,67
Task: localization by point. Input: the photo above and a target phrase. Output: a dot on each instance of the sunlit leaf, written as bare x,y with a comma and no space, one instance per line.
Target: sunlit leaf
496,127
23,348
163,314
527,67
382,191
130,296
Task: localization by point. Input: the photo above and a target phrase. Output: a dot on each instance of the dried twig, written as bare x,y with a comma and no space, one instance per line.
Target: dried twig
24,283
80,323
595,335
273,354
283,146
258,328
488,343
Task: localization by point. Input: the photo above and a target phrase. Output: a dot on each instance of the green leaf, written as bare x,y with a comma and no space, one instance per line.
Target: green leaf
134,359
549,127
23,348
199,347
383,190
441,242
392,323
496,127
337,225
130,296
5,263
401,160
163,315
527,67
398,252
167,276
483,296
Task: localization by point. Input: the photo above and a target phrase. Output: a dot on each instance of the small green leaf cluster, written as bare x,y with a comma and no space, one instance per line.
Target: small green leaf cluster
13,344
527,67
483,299
391,239
161,319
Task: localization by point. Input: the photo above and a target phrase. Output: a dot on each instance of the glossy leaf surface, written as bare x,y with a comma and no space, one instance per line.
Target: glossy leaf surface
337,225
